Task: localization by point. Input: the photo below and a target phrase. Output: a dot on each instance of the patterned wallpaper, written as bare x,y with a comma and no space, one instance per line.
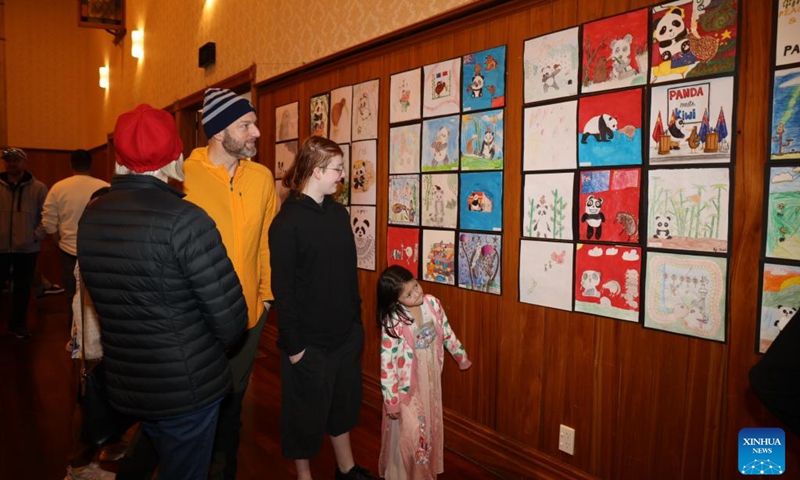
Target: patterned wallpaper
54,97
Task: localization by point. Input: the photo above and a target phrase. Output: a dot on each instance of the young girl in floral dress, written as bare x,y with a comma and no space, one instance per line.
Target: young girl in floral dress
415,332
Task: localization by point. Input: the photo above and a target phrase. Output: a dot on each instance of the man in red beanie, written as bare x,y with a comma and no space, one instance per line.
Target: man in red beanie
166,294
239,195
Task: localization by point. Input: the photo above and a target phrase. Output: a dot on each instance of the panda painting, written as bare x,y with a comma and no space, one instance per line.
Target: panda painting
662,227
786,314
601,127
672,35
593,217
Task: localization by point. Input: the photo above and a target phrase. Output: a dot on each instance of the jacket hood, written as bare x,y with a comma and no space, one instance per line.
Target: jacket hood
301,199
26,177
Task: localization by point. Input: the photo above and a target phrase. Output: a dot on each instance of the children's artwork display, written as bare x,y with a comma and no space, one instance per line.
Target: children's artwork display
362,221
404,152
614,52
341,114
550,66
547,205
440,200
404,200
686,294
365,110
608,280
783,213
402,248
342,194
362,179
545,274
610,129
284,157
319,114
780,300
785,133
438,256
787,44
609,200
688,209
441,88
405,96
479,260
440,142
484,75
688,122
482,140
286,122
481,201
549,137
693,38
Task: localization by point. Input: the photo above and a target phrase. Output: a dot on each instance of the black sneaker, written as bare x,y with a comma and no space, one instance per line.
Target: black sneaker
355,473
21,332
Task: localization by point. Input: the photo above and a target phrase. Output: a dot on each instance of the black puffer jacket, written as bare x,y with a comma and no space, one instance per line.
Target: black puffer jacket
166,294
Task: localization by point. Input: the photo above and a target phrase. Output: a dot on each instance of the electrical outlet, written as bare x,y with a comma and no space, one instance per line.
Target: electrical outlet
566,439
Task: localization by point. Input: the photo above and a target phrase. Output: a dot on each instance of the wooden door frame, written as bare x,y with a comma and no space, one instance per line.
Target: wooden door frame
186,108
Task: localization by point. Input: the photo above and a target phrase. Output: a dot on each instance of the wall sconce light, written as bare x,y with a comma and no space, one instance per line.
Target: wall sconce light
104,77
137,43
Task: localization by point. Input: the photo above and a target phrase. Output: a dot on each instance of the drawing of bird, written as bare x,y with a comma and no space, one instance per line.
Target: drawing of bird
336,111
693,140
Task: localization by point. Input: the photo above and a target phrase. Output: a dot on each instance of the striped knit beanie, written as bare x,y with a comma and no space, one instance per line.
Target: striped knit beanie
221,107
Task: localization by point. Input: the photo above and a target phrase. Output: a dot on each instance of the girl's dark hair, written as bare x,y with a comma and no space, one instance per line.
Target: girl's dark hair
390,286
314,152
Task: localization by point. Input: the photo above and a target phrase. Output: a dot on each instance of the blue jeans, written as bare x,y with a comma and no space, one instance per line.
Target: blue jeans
184,442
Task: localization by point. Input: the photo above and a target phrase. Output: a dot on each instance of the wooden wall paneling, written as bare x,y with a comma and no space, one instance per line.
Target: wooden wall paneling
565,13
704,412
645,403
100,163
742,408
609,356
520,355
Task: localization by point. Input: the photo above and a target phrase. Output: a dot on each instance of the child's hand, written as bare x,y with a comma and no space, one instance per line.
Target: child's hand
393,416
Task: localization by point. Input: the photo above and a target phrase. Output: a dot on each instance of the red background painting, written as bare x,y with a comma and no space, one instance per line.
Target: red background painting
625,106
603,31
611,267
398,239
623,196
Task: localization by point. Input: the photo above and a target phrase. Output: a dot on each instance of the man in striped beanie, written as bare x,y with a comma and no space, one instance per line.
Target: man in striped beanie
239,195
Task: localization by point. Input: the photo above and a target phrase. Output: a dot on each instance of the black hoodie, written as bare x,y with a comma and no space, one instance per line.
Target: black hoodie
314,278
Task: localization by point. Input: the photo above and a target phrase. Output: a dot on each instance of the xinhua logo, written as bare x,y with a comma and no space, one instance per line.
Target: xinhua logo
762,451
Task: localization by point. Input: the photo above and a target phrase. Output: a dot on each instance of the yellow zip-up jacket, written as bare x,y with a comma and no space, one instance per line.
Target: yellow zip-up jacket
243,208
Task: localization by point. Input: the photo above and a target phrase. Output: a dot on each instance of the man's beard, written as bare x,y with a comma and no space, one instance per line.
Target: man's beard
236,149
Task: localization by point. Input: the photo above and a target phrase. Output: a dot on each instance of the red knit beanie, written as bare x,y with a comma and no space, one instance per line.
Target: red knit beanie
146,139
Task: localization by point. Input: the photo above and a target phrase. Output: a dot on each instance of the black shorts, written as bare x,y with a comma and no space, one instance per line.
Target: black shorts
320,394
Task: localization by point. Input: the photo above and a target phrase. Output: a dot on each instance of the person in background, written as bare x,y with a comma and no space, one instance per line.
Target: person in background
63,208
84,345
239,195
21,200
320,333
168,299
415,332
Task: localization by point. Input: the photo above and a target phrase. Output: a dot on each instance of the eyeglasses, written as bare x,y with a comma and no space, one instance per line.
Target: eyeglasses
340,169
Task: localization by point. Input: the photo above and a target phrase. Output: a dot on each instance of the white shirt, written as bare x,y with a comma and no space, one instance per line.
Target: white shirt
64,206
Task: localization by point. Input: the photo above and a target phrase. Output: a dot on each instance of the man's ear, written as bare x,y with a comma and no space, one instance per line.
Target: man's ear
219,136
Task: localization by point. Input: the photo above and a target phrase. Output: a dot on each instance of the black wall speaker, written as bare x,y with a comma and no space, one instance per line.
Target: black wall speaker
207,55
